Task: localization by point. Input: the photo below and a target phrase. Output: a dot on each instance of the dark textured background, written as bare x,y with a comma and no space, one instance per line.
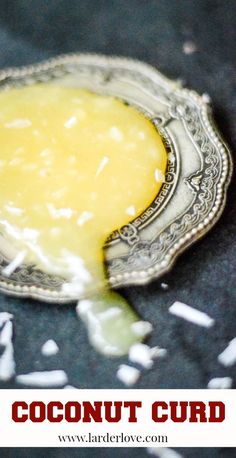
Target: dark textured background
154,31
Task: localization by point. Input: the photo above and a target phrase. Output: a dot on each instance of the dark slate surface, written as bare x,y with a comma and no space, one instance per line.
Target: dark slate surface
153,31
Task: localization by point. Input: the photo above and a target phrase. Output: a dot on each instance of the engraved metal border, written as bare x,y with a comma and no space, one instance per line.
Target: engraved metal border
141,256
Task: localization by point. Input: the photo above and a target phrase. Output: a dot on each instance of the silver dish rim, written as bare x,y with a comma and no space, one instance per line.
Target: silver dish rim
135,278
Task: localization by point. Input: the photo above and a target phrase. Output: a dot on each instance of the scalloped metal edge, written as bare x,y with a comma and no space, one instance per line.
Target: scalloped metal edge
145,276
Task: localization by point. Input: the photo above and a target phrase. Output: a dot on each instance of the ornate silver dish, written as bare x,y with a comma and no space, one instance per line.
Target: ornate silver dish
190,201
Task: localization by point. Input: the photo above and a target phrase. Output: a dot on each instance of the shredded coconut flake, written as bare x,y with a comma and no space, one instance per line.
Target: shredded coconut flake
83,306
49,348
60,212
116,134
18,124
159,176
5,316
80,276
102,165
142,328
189,47
191,314
163,452
12,230
7,363
45,152
43,379
70,122
144,355
228,356
76,267
84,217
14,210
140,353
128,375
206,98
16,262
157,352
220,383
164,286
131,210
6,333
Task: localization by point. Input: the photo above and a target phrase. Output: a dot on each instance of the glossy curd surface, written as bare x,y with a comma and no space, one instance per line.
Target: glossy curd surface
74,166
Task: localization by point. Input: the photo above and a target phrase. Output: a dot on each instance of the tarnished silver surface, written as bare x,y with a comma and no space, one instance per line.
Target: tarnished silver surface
190,201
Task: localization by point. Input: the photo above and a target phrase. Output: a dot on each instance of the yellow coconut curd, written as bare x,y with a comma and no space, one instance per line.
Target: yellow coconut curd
75,166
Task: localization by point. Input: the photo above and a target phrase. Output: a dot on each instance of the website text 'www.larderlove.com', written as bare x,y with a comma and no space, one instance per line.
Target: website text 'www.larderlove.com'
108,438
